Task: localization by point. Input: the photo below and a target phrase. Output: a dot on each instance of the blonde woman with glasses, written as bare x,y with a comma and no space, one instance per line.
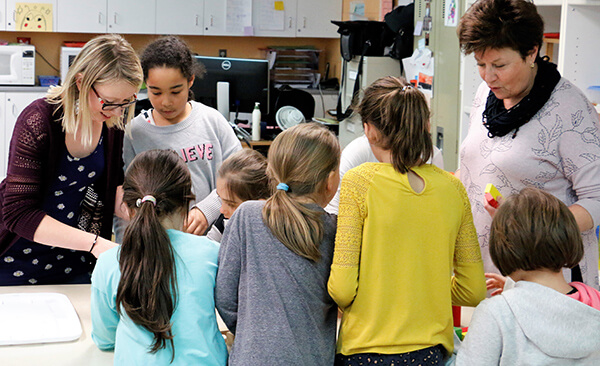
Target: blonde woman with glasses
58,198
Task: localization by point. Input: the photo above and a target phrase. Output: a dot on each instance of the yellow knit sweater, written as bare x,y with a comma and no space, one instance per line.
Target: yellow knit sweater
402,259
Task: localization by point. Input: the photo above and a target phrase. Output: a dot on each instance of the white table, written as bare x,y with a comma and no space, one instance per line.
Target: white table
80,352
76,353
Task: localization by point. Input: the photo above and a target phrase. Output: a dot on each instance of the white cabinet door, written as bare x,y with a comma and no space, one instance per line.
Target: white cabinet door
215,18
3,157
132,16
2,15
34,16
315,16
180,17
81,16
269,21
15,103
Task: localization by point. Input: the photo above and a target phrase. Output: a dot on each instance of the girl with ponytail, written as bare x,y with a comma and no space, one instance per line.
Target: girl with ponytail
156,291
406,248
276,255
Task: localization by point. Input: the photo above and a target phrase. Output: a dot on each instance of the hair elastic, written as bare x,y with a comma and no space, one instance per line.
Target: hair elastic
406,87
283,187
150,198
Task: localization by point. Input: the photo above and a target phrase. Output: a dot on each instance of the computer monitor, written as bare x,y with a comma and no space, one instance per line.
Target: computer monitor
242,81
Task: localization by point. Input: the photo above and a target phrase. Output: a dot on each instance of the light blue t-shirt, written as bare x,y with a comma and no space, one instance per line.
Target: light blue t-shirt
194,324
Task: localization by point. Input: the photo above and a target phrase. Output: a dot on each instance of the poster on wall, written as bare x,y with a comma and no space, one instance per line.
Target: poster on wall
451,13
33,17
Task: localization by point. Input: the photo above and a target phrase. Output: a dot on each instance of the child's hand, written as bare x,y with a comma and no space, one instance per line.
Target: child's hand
495,281
196,222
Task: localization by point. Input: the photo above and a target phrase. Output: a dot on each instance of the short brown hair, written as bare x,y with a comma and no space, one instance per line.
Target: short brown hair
496,24
534,230
401,114
245,173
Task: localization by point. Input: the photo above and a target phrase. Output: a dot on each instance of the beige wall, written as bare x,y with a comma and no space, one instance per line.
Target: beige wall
48,44
372,9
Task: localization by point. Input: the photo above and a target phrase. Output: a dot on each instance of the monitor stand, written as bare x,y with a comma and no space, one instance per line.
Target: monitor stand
223,99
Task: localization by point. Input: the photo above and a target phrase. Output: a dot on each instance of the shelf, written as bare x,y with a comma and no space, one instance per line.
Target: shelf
548,2
551,40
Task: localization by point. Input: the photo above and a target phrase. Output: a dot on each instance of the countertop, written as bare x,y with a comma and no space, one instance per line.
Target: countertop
75,353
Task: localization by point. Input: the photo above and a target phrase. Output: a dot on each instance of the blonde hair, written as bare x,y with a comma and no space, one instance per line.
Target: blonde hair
401,115
302,157
104,59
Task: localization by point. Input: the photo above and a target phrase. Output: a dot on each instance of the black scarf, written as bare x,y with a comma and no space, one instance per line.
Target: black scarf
499,121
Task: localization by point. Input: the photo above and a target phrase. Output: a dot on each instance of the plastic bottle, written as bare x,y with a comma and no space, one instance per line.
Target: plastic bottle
256,122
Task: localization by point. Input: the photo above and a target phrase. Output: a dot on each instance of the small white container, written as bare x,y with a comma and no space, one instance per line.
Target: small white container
256,116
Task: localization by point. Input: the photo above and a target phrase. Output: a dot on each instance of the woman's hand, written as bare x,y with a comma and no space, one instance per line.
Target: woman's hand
495,281
102,245
196,222
491,209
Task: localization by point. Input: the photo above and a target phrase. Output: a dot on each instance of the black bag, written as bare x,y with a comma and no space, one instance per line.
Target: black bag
363,38
401,21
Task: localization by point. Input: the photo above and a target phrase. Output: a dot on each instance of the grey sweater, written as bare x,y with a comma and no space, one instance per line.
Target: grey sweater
274,301
532,324
203,140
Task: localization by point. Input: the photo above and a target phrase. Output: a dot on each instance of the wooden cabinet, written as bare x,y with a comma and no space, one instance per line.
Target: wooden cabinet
38,17
81,16
313,18
180,17
132,16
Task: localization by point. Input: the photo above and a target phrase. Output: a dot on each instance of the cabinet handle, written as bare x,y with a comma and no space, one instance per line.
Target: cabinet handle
99,17
14,15
14,110
211,21
196,20
304,24
115,18
290,22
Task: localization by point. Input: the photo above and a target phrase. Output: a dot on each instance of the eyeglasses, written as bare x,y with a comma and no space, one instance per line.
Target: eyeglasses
112,106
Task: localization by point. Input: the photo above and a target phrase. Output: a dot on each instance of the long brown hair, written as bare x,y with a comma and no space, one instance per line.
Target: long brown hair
302,157
400,114
147,289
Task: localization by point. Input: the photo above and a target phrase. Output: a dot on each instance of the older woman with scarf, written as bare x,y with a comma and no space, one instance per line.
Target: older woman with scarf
529,126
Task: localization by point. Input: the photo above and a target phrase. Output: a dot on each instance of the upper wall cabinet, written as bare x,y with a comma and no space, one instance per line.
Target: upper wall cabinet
215,19
31,16
269,21
2,15
180,17
314,18
262,18
132,16
81,16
